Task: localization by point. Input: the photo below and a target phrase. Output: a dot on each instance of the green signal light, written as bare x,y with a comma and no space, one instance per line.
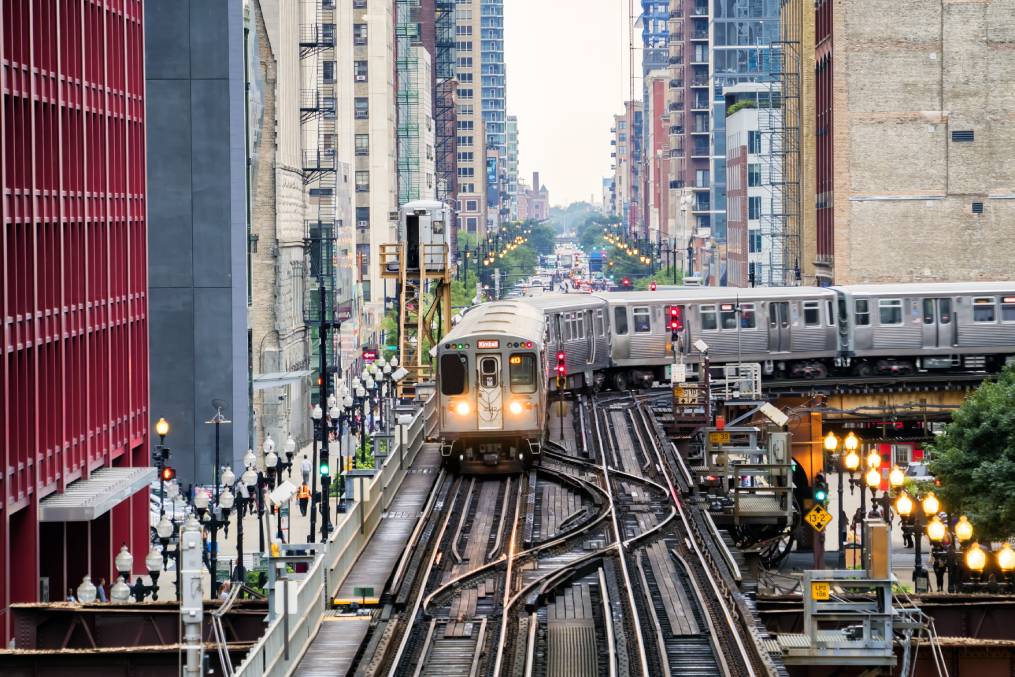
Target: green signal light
325,470
820,495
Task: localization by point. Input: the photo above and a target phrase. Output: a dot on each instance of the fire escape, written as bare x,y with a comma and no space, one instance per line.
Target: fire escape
445,119
317,118
407,133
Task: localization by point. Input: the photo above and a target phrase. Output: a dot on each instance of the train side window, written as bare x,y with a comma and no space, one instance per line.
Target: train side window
890,312
748,319
454,378
812,314
1007,309
984,310
928,311
831,313
863,312
642,320
708,318
620,320
598,322
522,372
946,311
728,316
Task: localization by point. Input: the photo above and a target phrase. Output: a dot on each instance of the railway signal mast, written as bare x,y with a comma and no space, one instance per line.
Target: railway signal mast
561,380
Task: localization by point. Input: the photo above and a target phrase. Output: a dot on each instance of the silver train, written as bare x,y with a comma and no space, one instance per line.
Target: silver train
622,340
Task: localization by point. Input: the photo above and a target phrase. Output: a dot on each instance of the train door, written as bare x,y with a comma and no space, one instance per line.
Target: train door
778,327
938,323
489,394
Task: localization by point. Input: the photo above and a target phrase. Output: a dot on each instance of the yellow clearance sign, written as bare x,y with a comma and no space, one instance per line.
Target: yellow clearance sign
818,518
820,592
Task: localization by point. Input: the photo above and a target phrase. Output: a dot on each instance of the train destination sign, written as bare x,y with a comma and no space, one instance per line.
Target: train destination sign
487,344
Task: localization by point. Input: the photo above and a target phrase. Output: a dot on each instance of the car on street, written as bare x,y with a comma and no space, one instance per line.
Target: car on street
919,472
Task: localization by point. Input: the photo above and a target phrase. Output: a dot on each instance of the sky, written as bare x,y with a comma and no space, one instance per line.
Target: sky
567,76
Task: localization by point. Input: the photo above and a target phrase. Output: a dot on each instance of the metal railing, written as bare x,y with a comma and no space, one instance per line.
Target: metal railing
281,647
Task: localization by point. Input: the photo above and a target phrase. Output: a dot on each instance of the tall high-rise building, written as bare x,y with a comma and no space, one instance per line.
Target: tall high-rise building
657,219
915,173
198,235
493,87
415,131
374,174
471,142
627,154
74,410
511,167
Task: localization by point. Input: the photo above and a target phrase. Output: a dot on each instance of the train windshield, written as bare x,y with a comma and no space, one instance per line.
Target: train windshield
523,373
454,379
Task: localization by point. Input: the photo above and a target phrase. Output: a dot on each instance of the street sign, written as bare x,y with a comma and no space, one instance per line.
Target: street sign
820,591
686,393
818,518
720,437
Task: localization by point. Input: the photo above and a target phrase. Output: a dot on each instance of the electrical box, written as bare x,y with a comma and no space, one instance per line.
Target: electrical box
778,448
879,549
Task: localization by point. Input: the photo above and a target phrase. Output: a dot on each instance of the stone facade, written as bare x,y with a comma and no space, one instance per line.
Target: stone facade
911,201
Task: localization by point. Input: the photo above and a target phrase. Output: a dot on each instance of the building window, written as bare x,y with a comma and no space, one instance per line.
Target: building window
467,171
465,77
465,93
362,144
963,135
471,205
977,207
362,181
465,140
465,156
466,125
363,217
359,68
754,175
470,224
890,312
328,71
754,207
362,107
359,34
754,142
465,62
359,4
754,241
463,30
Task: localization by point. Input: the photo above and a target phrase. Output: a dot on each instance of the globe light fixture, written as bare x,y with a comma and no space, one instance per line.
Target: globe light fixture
873,478
930,504
963,529
87,591
874,460
904,505
896,478
831,442
852,442
161,429
936,530
1006,558
976,558
851,461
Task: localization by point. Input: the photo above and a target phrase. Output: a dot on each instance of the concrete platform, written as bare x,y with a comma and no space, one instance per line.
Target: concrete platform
379,559
333,649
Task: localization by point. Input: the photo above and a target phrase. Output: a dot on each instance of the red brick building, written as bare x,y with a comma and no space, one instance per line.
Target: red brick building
74,376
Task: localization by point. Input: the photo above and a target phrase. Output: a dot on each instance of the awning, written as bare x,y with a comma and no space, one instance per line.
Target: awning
84,500
277,379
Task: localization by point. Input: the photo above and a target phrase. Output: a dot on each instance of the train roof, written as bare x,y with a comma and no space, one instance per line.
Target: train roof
510,318
923,288
553,301
715,294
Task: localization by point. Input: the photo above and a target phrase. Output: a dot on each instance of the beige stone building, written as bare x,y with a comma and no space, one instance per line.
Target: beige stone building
471,155
920,177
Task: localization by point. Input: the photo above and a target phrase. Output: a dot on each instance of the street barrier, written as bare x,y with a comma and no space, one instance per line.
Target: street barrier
272,655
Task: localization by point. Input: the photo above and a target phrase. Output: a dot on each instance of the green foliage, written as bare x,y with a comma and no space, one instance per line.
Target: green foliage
740,105
975,458
661,276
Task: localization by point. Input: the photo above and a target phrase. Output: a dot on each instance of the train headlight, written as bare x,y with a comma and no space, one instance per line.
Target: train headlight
462,408
515,407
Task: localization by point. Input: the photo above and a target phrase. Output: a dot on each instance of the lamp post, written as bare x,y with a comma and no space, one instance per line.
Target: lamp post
928,506
317,414
850,463
124,563
290,451
961,531
361,395
162,429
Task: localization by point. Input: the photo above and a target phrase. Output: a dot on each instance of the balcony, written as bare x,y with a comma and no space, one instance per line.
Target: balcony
700,151
677,83
699,34
699,82
699,10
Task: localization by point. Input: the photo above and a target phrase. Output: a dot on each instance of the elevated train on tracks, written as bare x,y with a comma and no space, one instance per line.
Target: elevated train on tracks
493,407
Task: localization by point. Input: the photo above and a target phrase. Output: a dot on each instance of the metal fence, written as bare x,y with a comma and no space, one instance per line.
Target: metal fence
274,654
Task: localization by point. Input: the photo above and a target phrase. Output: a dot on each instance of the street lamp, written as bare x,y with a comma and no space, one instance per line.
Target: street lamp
929,507
86,591
290,451
162,429
316,414
1005,562
976,560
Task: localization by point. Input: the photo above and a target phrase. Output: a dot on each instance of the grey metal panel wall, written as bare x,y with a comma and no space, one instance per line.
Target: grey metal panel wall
194,74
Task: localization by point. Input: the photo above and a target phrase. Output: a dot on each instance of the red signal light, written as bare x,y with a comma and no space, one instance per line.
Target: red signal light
561,357
652,285
168,474
626,282
676,319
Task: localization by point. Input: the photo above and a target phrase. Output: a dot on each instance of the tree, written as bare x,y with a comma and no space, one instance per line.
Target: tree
975,458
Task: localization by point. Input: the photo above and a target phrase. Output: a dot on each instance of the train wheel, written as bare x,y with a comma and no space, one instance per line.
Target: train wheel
864,369
619,381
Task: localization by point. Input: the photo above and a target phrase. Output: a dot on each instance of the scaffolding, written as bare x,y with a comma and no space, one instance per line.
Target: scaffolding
446,134
407,132
780,123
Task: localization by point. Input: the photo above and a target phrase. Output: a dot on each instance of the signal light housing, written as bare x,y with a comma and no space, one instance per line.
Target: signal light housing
820,489
168,474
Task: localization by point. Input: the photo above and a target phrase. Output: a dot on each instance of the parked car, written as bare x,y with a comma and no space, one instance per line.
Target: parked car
919,472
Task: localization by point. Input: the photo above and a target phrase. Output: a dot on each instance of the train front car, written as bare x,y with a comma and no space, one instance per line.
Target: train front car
491,381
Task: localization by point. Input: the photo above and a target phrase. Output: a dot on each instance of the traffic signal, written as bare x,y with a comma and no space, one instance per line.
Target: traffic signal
626,282
561,369
820,489
652,285
168,474
325,468
676,322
